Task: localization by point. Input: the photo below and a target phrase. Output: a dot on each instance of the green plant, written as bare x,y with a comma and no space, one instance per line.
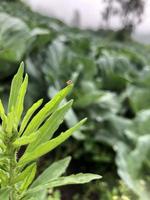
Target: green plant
117,74
17,174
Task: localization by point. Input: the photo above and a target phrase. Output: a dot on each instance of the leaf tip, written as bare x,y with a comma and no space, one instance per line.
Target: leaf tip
22,64
26,78
21,68
71,102
83,120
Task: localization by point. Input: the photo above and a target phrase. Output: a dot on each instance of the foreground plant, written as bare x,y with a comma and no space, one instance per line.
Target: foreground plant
35,131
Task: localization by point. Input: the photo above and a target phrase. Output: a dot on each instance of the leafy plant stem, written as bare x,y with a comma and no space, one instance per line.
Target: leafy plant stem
11,168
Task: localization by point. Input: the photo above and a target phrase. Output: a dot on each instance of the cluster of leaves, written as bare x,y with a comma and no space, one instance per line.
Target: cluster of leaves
17,174
111,79
114,93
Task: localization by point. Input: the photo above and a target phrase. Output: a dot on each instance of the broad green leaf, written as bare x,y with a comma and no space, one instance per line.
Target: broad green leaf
25,140
22,176
29,178
88,99
18,109
41,195
15,37
115,125
72,179
137,102
15,87
50,126
4,193
29,114
141,123
48,146
52,172
114,70
136,176
50,107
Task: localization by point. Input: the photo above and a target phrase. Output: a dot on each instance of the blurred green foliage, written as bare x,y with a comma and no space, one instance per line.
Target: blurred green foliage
112,81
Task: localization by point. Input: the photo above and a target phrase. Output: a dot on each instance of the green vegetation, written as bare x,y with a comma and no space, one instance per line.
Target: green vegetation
17,174
111,88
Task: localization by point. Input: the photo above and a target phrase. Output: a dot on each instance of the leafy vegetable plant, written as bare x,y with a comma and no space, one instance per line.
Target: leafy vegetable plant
35,131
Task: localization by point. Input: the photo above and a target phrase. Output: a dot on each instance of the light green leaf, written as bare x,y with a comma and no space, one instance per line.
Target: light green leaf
4,177
15,87
2,111
4,193
10,123
20,99
2,115
41,195
50,126
52,172
2,145
50,107
29,114
22,176
70,117
4,121
72,179
48,146
25,140
29,178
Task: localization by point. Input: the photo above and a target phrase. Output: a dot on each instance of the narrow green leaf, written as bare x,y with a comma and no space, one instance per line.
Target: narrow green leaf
10,122
29,178
50,107
2,111
4,121
25,173
48,146
20,99
2,115
15,87
50,126
24,140
2,145
52,172
72,179
29,114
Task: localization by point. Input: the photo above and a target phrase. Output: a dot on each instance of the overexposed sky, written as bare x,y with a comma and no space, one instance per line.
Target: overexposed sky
64,9
89,12
144,27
